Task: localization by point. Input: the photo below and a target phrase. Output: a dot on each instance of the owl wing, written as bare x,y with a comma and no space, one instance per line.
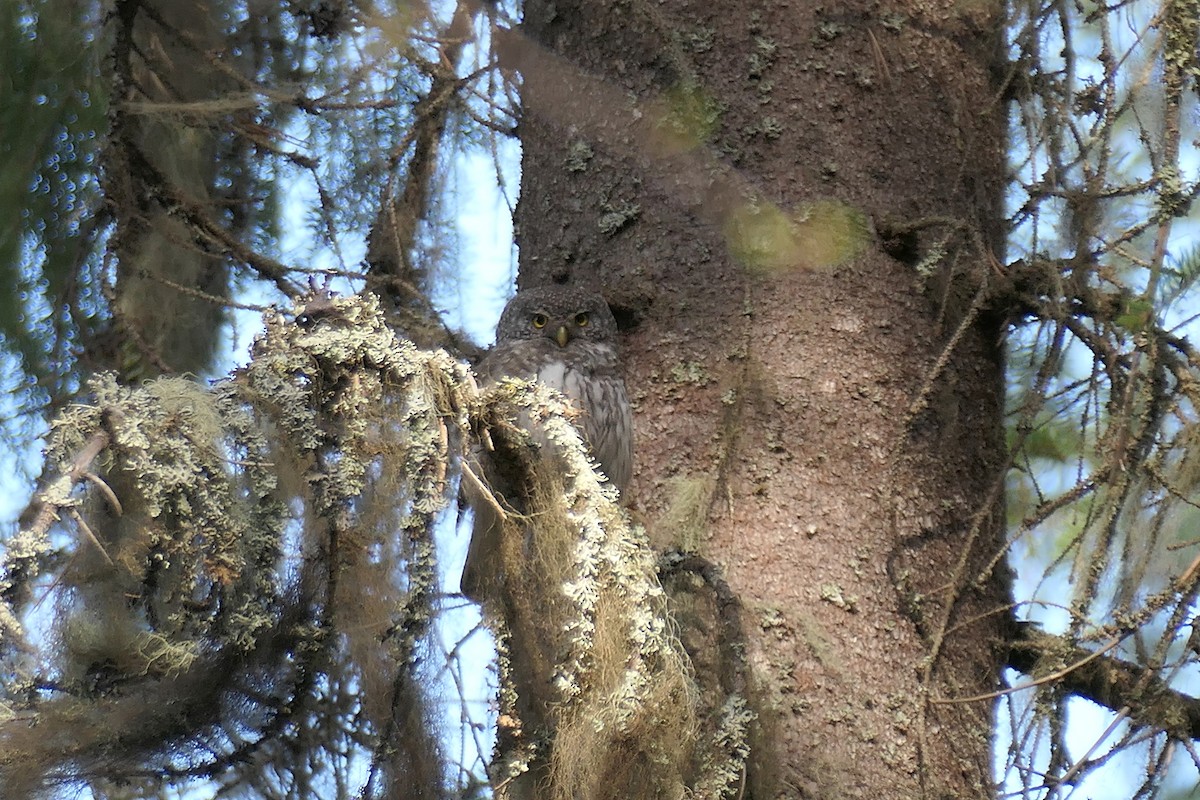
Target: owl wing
606,420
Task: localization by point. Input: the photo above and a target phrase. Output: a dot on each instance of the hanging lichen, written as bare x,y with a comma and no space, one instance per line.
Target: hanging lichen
224,559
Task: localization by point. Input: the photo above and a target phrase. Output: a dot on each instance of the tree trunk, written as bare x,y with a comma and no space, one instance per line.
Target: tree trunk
791,208
172,269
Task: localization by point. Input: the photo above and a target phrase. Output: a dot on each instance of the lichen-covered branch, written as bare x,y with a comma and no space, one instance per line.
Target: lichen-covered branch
251,560
1107,681
25,552
598,699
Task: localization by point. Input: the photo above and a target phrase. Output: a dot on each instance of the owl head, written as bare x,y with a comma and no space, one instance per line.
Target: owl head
562,314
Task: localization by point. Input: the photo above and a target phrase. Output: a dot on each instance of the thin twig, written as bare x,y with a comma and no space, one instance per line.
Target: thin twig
87,531
483,490
107,491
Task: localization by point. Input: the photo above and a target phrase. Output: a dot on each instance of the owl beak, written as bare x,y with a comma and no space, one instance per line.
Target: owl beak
562,336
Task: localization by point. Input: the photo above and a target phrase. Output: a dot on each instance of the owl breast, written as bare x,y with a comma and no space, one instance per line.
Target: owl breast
589,378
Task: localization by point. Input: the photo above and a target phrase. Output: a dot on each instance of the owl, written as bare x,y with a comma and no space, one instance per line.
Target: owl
566,338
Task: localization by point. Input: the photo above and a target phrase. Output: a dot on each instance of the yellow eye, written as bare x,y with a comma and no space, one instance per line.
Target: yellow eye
581,319
539,320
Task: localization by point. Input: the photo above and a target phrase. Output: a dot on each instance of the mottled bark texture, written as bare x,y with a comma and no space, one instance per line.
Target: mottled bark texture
818,406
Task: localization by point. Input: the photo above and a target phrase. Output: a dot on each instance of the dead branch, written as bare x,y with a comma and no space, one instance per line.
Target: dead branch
1108,681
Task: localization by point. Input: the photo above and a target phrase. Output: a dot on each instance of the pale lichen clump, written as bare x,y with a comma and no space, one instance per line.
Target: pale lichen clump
378,421
380,393
723,773
621,690
174,522
622,715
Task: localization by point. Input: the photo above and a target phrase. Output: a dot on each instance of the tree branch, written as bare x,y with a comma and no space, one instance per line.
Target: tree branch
393,234
1108,681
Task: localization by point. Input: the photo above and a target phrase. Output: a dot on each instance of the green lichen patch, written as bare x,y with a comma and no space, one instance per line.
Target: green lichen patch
766,239
690,118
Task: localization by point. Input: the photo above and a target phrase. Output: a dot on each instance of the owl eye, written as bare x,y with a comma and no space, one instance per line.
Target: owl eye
581,319
539,320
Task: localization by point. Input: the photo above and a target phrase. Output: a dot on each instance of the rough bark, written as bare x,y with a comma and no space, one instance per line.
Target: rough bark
826,428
